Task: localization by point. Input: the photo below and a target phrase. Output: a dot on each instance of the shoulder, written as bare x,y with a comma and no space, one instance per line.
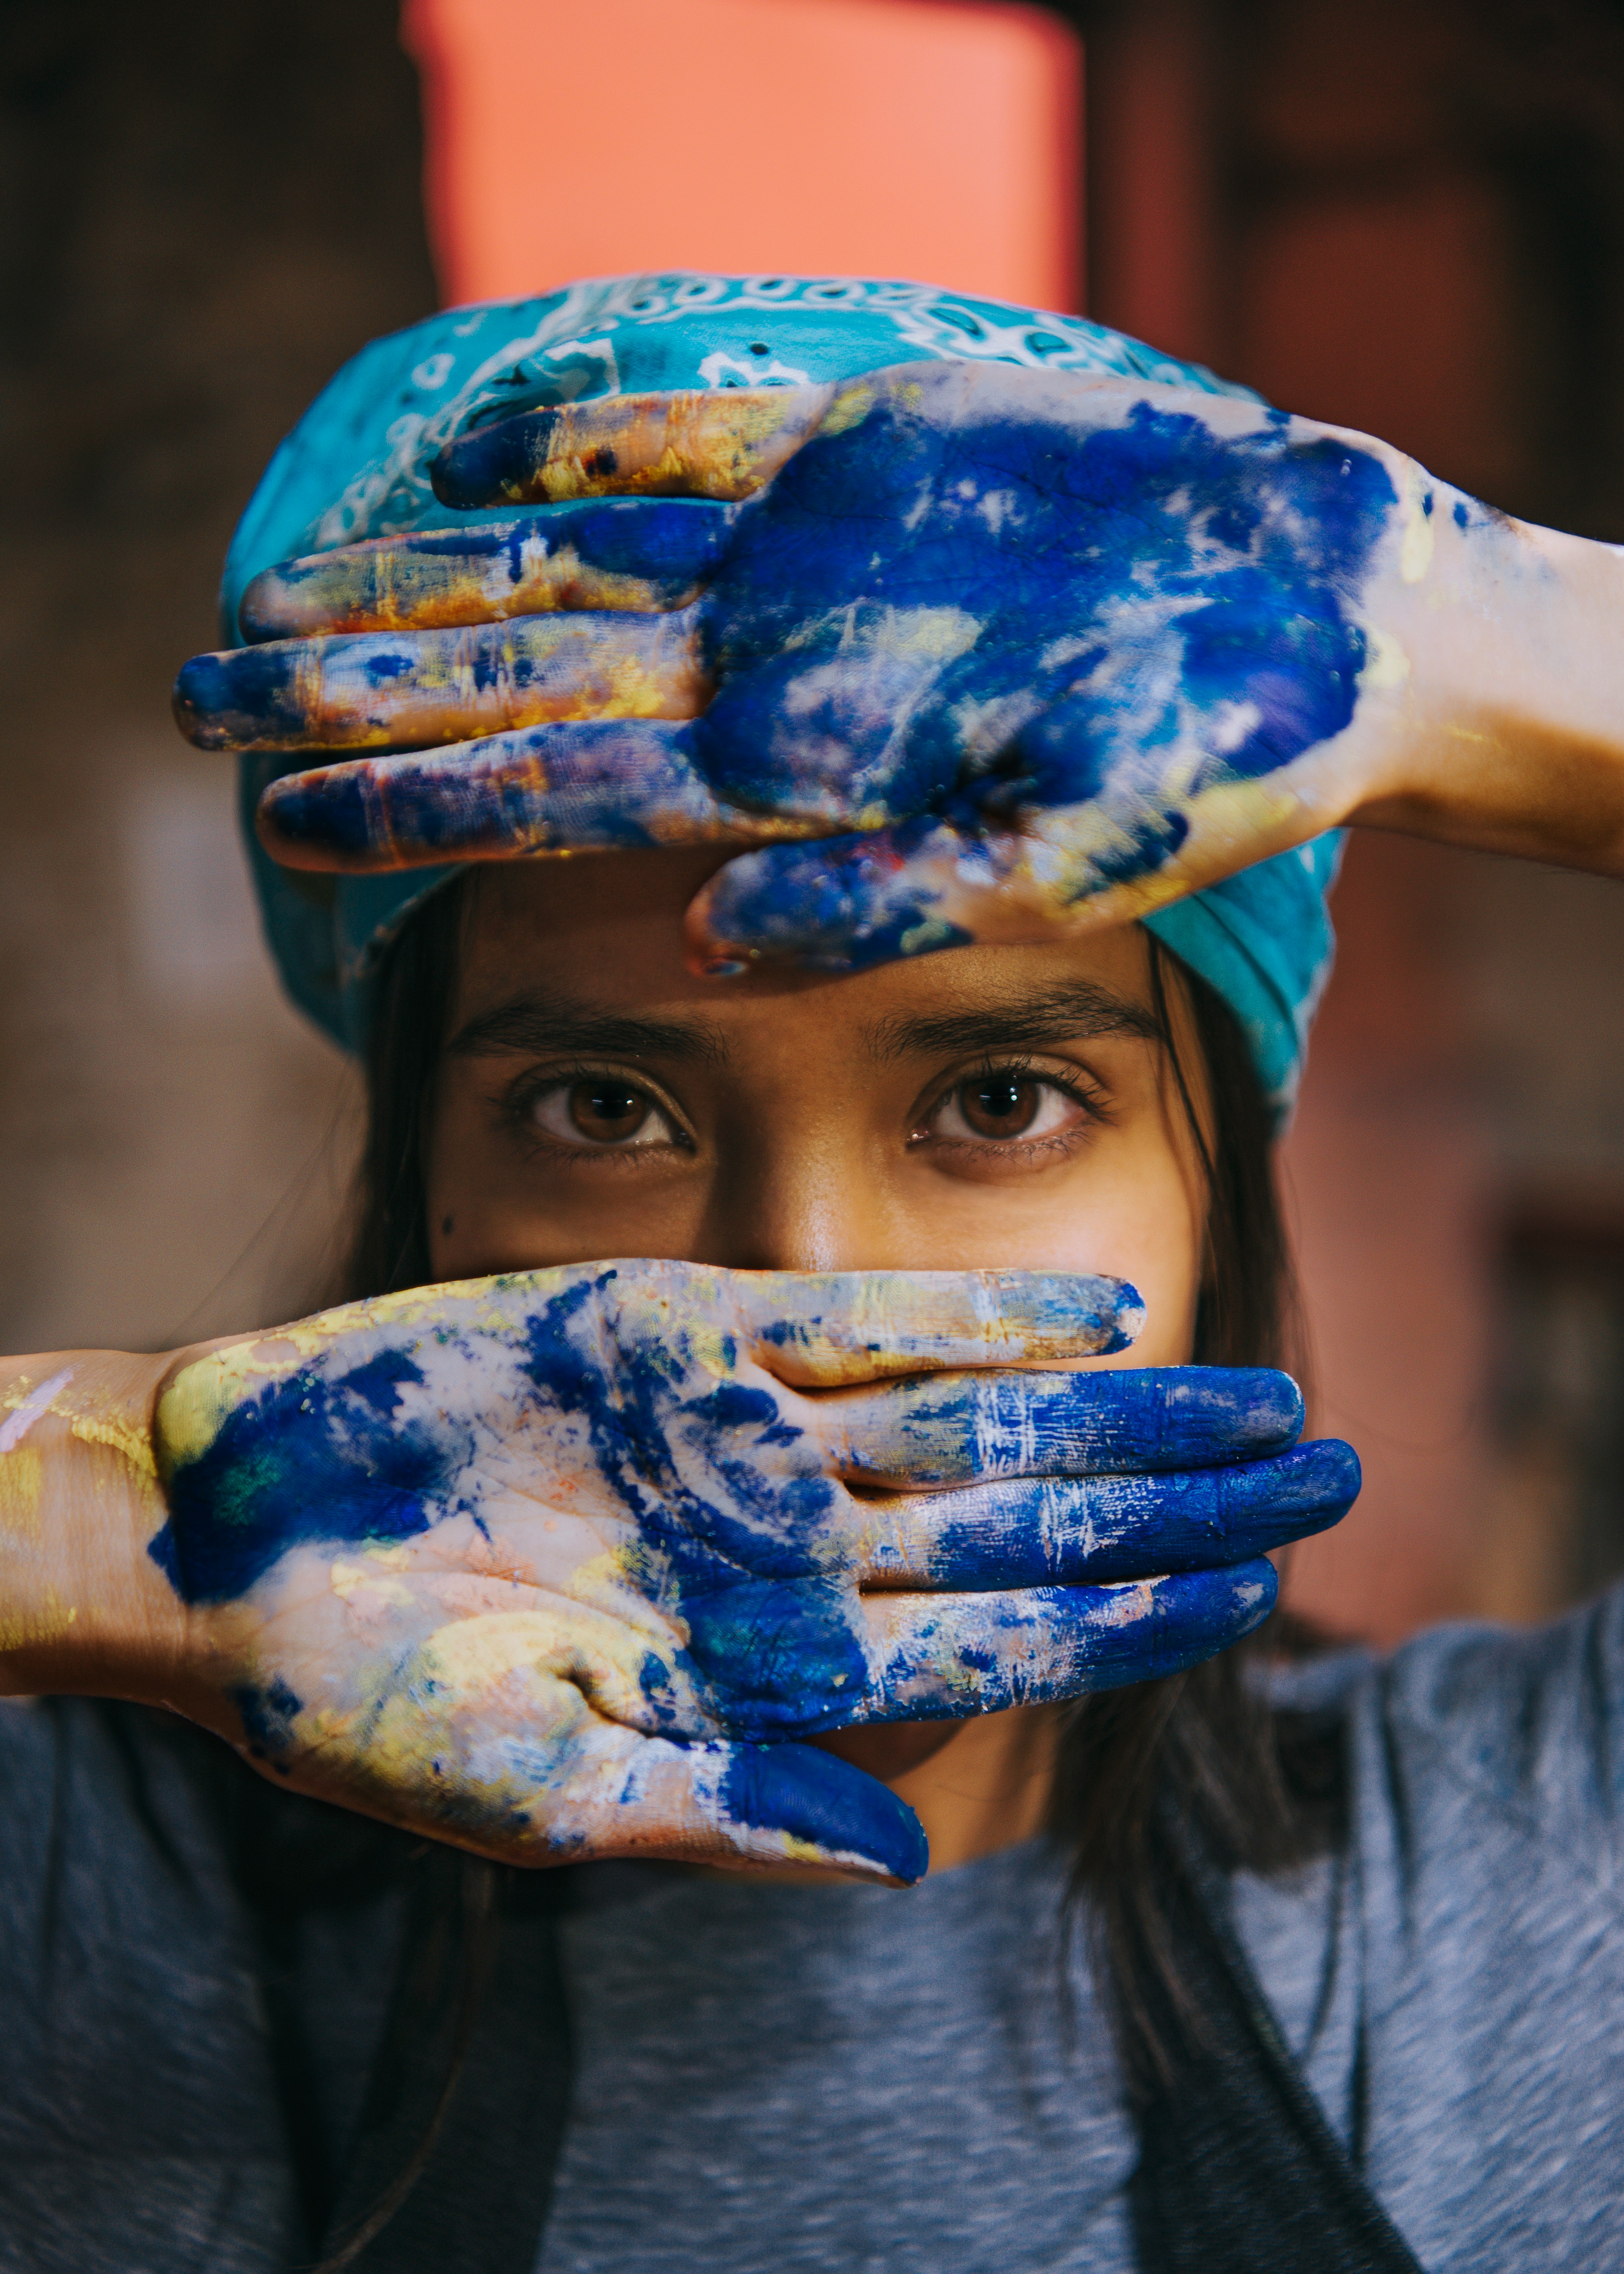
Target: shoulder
1472,1955
170,1926
1518,1712
1484,1771
1523,1724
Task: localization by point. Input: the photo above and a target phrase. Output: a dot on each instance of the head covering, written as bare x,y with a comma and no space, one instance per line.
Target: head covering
356,465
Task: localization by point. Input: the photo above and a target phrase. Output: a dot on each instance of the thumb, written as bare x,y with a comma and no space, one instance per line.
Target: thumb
716,1802
794,1804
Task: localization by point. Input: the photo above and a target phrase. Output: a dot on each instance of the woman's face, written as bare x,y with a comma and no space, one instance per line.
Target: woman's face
986,1106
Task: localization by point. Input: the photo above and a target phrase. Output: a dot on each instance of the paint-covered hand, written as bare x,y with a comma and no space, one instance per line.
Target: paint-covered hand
1029,652
563,1563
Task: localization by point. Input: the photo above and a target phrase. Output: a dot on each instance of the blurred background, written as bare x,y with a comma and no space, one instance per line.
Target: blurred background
1407,218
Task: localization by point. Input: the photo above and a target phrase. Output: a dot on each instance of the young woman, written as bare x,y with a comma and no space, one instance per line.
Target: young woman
591,1563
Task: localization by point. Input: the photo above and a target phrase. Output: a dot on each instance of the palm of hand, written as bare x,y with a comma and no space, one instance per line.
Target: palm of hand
539,1563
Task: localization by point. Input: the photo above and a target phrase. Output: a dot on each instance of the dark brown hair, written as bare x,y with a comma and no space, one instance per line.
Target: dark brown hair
1146,1775
1198,1764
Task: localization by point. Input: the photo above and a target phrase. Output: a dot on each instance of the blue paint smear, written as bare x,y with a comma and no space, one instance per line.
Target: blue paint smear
308,692
812,1795
623,783
1196,1614
738,1548
1261,539
243,696
316,1456
1100,1529
497,458
742,1564
1140,585
1209,573
1133,1422
267,1714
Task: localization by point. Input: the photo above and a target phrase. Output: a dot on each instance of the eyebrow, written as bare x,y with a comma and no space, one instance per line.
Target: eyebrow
544,1026
1016,1022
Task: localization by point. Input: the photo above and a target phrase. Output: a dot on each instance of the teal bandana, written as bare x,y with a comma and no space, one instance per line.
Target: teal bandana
356,465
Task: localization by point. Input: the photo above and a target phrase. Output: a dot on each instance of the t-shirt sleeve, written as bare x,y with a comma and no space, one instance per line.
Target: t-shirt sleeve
1528,1721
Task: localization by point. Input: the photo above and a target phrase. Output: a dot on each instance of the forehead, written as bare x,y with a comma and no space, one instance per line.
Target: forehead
608,927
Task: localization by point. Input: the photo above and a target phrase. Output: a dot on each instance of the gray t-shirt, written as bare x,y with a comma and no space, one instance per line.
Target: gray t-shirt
828,2077
838,2078
885,2082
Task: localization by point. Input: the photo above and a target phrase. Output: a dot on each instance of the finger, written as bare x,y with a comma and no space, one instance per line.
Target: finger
722,444
962,1428
823,1330
720,1803
413,690
1031,1531
614,553
547,789
943,1655
846,903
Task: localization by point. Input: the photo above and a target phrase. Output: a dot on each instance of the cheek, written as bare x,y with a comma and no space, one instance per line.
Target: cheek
1141,1224
493,1205
458,1196
488,1208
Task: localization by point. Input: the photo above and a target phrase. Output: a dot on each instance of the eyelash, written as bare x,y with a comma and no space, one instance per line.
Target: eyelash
520,1101
1084,1092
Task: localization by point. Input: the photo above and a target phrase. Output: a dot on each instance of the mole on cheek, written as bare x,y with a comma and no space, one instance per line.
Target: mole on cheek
448,1224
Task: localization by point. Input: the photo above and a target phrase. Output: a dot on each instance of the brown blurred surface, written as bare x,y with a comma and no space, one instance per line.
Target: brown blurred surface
1409,218
206,209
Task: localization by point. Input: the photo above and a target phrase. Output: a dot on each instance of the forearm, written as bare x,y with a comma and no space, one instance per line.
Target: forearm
1512,700
83,1608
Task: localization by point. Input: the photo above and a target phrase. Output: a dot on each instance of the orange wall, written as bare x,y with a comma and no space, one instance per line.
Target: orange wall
928,139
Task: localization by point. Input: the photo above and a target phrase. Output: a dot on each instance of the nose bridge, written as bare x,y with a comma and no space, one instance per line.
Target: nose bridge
802,1180
796,1199
807,1134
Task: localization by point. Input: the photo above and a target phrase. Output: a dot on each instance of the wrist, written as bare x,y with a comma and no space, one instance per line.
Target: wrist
83,1608
1509,734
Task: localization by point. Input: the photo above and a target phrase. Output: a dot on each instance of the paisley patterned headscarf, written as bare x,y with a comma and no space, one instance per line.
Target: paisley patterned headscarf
356,465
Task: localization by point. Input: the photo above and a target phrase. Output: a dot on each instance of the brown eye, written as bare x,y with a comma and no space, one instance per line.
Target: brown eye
601,1110
1009,1108
1002,1105
608,1112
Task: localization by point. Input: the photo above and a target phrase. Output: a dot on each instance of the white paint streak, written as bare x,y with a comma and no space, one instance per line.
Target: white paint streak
18,1423
1415,553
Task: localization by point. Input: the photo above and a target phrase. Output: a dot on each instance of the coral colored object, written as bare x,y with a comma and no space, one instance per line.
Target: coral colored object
901,138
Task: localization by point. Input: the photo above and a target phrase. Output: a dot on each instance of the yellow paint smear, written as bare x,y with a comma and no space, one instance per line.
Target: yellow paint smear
1416,554
352,1580
121,1437
638,692
20,1629
1386,663
849,409
21,1482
